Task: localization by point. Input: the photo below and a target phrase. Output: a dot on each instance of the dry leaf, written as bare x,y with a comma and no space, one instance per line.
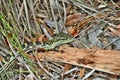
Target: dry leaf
118,26
72,19
82,72
113,77
42,38
72,31
117,33
1,58
39,38
28,55
41,56
68,9
67,67
83,22
50,31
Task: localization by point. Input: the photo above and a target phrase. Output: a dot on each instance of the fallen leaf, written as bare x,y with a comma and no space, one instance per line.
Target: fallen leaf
72,31
118,26
68,9
83,22
73,19
82,72
113,77
1,58
50,31
67,67
41,38
117,33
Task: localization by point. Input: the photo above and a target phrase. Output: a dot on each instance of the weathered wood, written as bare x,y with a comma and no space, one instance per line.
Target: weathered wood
104,60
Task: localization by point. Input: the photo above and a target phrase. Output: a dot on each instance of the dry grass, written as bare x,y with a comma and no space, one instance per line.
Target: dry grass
22,20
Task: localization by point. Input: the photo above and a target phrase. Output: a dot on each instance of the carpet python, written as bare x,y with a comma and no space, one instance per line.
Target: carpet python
57,40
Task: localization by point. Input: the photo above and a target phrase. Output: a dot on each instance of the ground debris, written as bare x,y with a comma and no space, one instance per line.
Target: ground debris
102,60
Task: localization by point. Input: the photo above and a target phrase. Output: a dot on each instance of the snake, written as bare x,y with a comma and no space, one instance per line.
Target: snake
56,41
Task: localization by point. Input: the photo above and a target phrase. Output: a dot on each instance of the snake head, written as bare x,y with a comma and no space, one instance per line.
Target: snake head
65,38
59,39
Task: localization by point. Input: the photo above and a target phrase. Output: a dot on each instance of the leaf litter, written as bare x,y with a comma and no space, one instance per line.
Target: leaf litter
94,24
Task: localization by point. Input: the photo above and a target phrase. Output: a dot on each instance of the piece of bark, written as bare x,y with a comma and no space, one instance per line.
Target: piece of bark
103,60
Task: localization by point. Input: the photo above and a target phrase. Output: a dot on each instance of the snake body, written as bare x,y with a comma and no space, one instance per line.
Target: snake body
57,40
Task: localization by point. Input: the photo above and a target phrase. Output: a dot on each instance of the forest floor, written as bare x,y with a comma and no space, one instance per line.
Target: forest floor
93,55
